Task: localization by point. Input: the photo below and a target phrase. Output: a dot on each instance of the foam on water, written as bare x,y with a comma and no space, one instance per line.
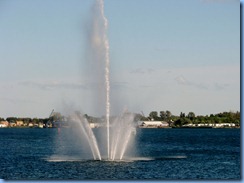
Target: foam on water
125,159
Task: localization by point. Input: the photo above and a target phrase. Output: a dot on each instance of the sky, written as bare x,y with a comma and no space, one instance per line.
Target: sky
180,56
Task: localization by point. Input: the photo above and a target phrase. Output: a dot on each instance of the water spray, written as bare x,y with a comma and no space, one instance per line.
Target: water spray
107,81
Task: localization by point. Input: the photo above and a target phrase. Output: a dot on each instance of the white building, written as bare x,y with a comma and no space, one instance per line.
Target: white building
225,125
217,125
154,124
3,125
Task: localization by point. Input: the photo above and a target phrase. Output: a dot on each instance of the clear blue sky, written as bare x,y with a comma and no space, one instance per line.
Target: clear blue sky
172,55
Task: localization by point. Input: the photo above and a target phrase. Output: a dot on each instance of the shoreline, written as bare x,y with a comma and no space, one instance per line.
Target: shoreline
206,127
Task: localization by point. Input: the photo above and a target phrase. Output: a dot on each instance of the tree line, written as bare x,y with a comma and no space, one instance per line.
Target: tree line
173,120
26,120
191,118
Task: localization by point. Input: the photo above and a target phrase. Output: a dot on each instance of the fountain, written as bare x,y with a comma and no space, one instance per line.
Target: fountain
119,130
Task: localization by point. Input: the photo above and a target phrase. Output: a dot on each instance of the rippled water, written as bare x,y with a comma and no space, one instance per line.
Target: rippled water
160,154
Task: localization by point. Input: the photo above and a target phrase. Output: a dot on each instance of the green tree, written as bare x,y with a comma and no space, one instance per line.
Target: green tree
163,115
182,121
35,120
168,115
191,116
182,115
11,119
153,115
26,120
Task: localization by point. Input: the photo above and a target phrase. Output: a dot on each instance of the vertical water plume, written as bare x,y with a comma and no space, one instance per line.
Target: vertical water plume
119,130
107,81
98,53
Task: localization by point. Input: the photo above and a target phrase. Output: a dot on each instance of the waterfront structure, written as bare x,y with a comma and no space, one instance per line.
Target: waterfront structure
19,123
40,125
154,124
4,124
213,125
12,124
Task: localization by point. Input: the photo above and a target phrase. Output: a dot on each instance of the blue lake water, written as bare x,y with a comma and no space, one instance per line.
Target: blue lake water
160,154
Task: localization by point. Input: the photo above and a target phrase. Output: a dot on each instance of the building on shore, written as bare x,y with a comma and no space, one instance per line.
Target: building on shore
12,124
40,125
19,123
4,124
154,124
212,125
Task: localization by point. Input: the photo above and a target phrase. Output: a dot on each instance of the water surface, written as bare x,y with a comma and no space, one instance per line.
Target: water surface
159,154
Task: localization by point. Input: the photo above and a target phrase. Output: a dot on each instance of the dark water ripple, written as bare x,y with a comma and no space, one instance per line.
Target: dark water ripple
161,154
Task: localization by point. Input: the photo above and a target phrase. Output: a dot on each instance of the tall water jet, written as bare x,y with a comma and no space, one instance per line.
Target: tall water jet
118,130
99,52
107,81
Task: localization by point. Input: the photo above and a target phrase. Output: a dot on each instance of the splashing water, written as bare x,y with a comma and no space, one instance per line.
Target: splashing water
90,137
110,141
80,141
122,133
